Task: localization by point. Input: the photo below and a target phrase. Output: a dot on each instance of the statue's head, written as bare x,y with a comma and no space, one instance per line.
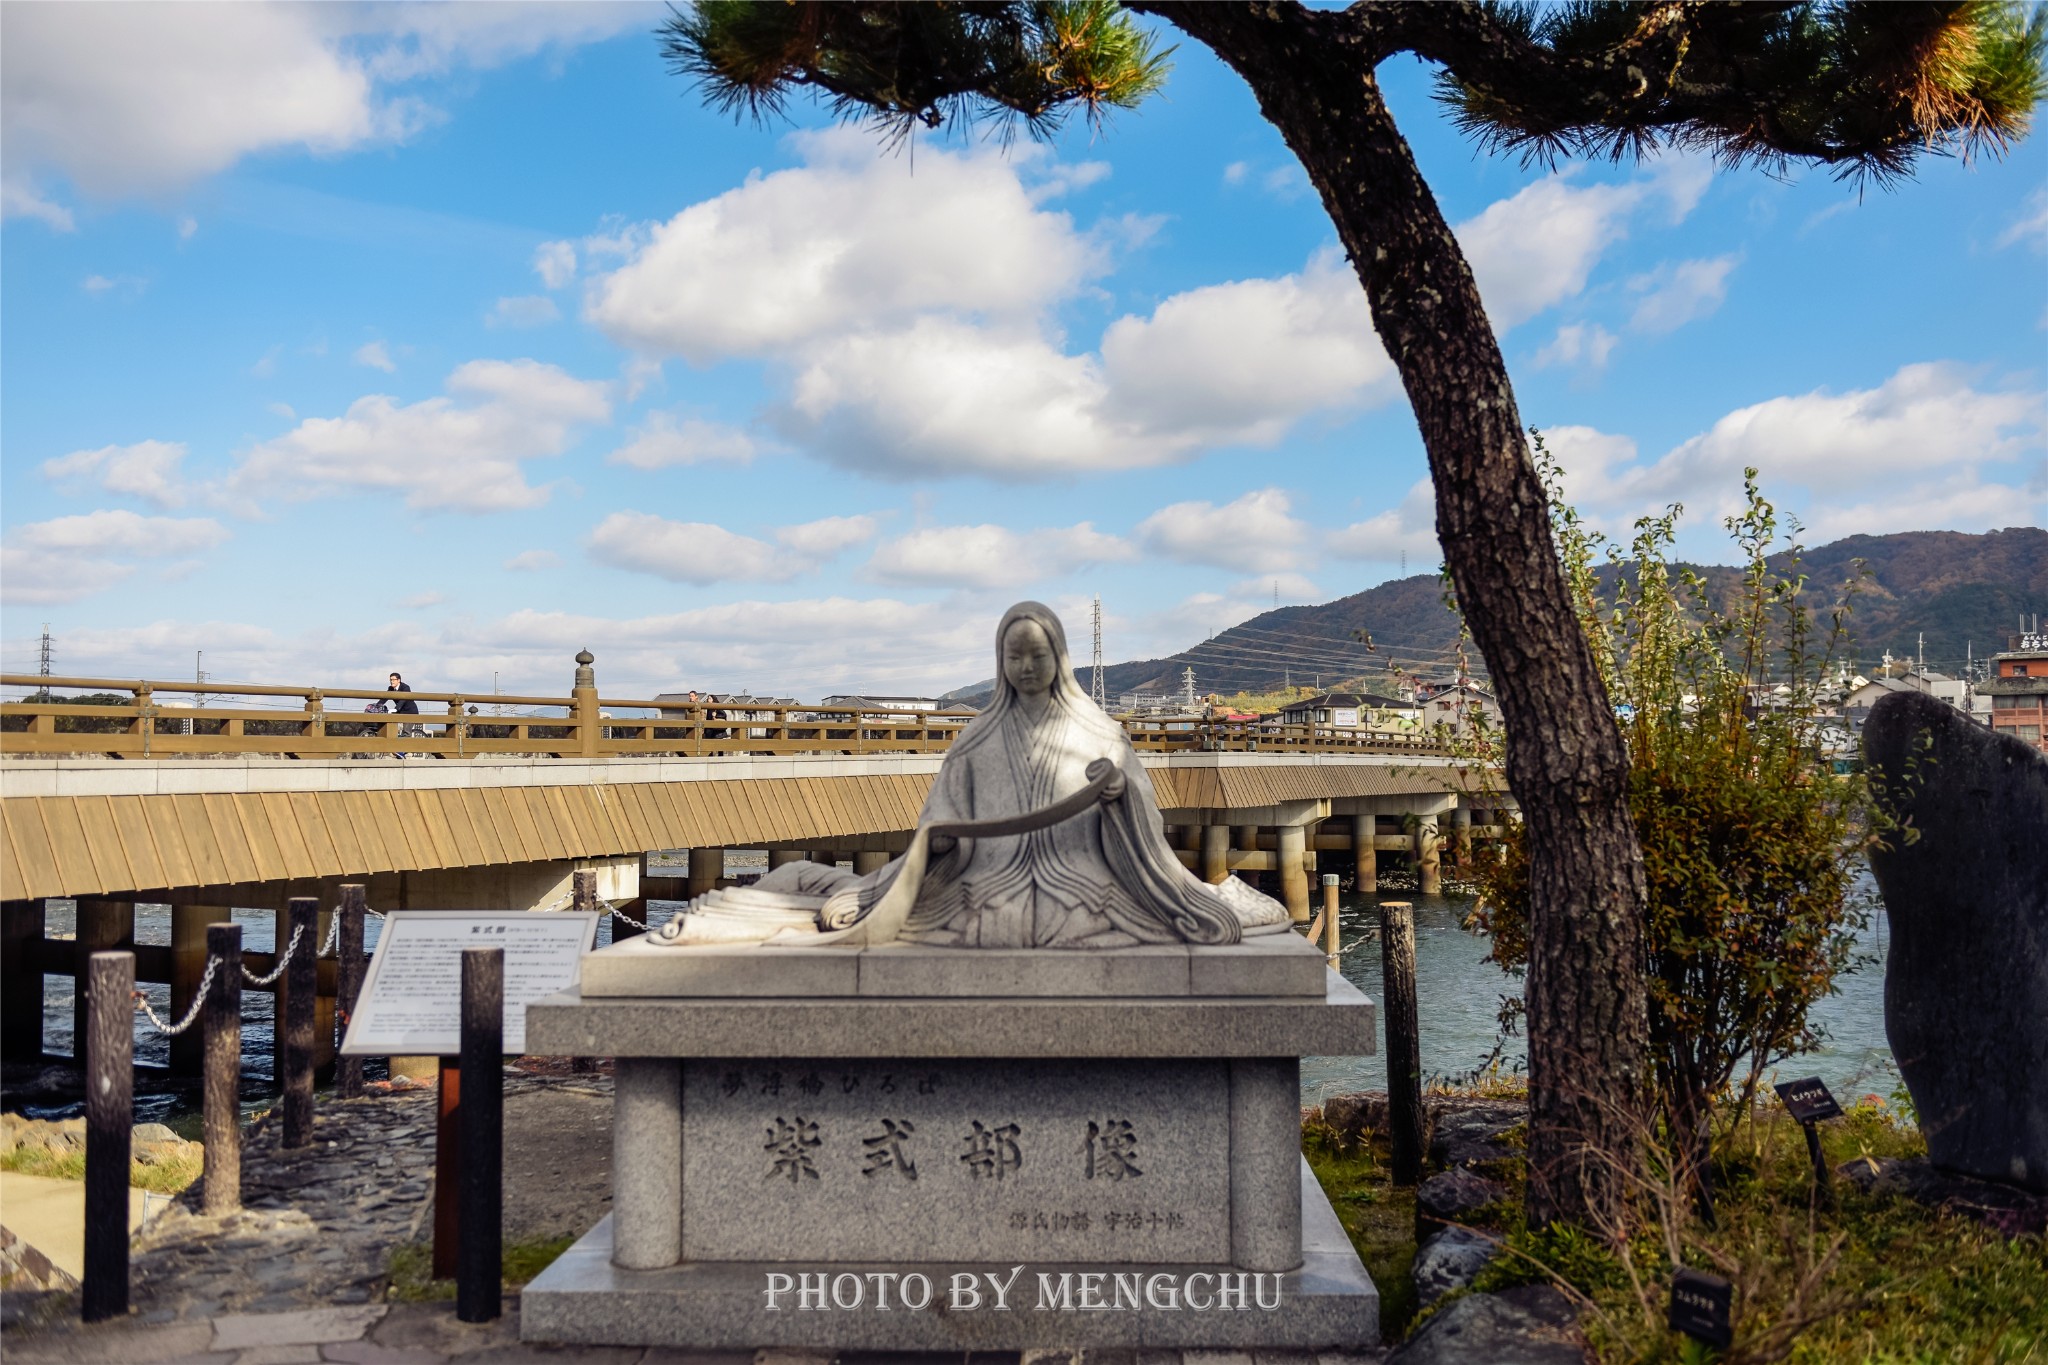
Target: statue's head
1031,651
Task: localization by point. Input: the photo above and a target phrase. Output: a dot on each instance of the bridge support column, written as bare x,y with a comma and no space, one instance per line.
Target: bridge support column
783,857
188,965
864,863
1364,829
102,925
707,865
1461,835
21,980
1290,854
1215,853
1428,853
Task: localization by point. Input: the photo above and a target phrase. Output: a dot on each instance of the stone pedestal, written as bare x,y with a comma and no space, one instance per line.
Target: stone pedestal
1113,1136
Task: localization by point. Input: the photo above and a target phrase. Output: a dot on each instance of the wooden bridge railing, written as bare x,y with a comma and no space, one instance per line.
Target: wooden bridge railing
314,722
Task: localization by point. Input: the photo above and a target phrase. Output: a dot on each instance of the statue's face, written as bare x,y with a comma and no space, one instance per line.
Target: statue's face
1028,661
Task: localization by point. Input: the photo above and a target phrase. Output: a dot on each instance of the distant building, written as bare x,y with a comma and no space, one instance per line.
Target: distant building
1351,710
1147,702
726,706
1458,705
2018,688
1866,693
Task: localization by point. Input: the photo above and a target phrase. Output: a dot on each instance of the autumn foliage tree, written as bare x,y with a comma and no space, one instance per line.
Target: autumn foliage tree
1862,89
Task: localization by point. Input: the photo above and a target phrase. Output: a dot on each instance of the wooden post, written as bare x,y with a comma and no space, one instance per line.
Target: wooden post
479,1276
1365,853
583,896
1404,1046
1332,939
323,1003
103,926
583,706
1428,857
108,1046
188,964
1823,1178
295,1012
447,1170
1290,846
21,980
222,1077
348,1071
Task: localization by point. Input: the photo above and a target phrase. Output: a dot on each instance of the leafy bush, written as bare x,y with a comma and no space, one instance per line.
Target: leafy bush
1750,839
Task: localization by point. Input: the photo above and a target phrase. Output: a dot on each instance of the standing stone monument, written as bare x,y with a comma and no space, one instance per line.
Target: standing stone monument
1033,1084
1966,979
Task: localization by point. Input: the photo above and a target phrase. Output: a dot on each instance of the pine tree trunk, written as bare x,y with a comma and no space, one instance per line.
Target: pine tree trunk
1585,990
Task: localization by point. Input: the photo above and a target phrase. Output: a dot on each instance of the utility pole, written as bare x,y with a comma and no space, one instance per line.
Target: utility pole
1187,688
44,694
1096,688
1923,654
198,676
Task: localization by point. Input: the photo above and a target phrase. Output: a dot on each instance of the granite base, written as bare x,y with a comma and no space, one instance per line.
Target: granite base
584,1299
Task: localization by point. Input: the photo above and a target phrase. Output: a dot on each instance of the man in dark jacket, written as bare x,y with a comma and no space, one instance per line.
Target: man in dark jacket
405,706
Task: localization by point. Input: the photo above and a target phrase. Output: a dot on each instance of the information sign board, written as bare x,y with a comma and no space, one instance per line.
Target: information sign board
411,1003
1702,1306
1809,1100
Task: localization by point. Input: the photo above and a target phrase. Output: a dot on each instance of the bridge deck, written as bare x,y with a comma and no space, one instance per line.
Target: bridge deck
84,827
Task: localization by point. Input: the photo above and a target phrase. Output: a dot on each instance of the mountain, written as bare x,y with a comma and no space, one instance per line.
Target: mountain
1964,592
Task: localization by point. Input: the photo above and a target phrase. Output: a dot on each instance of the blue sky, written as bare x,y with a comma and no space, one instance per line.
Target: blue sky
454,339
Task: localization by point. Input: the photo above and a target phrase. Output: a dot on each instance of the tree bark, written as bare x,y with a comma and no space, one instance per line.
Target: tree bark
1312,73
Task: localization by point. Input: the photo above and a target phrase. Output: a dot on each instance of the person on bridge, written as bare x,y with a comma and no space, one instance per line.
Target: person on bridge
406,706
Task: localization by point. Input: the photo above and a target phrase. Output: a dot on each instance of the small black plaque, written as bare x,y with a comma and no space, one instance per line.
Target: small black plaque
1702,1307
1809,1100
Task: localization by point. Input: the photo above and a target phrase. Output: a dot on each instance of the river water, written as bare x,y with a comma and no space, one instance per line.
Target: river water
1459,995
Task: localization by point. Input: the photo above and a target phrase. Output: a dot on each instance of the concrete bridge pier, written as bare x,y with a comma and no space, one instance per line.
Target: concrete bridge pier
707,865
1428,857
1291,855
1215,853
872,860
1364,830
1461,835
783,857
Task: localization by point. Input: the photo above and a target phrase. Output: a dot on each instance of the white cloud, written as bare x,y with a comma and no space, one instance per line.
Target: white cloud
421,600
1062,178
126,286
187,227
1675,294
664,440
1921,451
1243,361
533,561
828,536
18,199
1256,533
1407,529
989,556
146,470
1537,248
73,557
701,553
1577,345
526,310
142,98
850,239
374,355
285,410
2031,226
1235,172
945,397
555,263
462,452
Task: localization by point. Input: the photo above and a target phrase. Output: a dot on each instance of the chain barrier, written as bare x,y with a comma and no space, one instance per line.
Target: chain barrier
213,965
617,913
284,960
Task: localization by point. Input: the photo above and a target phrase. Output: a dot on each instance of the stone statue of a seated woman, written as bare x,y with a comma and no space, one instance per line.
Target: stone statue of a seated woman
1040,832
